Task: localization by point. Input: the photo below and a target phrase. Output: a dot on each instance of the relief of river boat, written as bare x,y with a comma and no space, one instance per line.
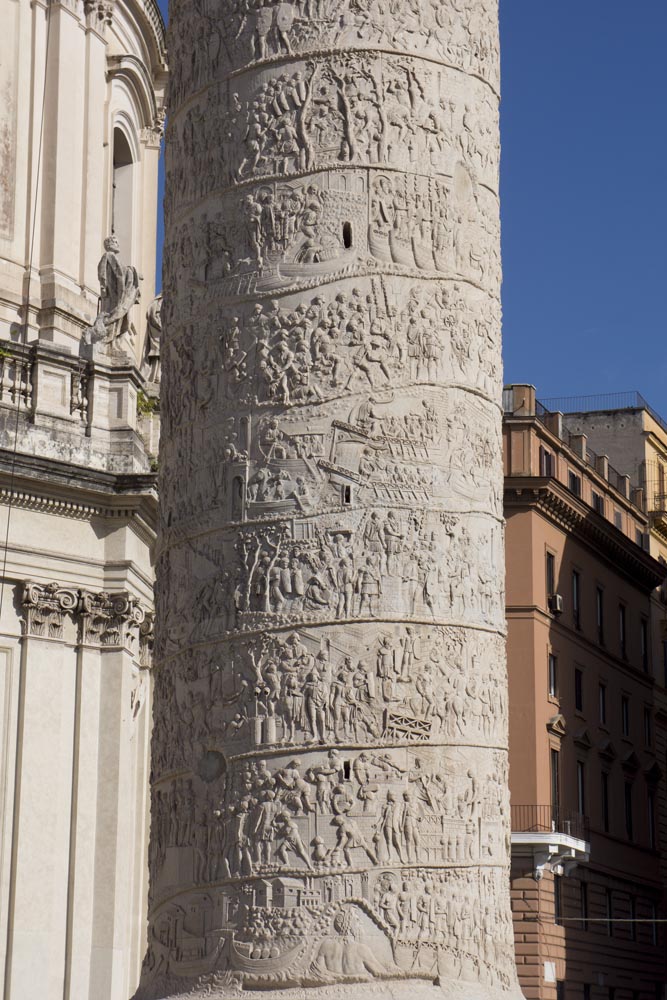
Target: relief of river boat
264,508
441,259
240,960
311,269
423,254
401,250
378,244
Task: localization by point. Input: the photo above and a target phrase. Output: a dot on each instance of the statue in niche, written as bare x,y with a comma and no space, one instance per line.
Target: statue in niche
152,364
119,291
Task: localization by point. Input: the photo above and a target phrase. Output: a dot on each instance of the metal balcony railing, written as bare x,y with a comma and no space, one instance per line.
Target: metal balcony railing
549,819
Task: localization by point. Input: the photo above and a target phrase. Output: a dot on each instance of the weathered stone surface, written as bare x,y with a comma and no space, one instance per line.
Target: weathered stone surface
330,804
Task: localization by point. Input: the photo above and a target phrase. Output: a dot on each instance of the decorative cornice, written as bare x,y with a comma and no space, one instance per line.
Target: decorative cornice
65,490
653,774
631,762
557,725
552,499
583,739
607,750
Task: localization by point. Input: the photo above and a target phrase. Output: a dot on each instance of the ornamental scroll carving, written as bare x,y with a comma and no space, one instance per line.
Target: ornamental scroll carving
110,619
101,619
44,609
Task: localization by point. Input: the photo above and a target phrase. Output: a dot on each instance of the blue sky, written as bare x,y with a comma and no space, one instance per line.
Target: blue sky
584,196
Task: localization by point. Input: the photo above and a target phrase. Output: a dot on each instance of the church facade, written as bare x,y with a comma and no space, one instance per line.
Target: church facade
81,120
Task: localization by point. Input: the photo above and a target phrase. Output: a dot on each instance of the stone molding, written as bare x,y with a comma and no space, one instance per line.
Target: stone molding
108,620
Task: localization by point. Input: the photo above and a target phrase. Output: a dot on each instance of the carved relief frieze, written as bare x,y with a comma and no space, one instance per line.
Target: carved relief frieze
398,115
330,802
383,562
388,685
462,35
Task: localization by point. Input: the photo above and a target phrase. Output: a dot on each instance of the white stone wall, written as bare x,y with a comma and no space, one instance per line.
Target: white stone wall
75,693
76,486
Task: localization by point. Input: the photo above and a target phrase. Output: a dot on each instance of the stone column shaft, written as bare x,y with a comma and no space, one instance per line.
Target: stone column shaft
330,799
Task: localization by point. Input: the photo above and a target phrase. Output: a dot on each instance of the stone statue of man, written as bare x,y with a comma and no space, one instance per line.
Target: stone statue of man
153,334
119,291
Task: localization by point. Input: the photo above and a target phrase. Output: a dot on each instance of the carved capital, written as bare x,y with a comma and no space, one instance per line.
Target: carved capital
146,640
110,619
99,13
44,609
153,134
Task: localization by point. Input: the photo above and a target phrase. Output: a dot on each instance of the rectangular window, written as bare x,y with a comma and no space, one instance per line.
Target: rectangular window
560,989
546,462
587,991
604,799
654,927
583,903
553,676
629,826
558,901
648,728
574,483
576,598
650,819
602,703
599,613
581,787
622,636
598,503
609,912
643,635
551,574
618,520
555,783
578,690
625,715
633,918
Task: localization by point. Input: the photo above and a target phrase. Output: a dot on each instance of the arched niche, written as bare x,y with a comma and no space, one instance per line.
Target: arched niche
123,192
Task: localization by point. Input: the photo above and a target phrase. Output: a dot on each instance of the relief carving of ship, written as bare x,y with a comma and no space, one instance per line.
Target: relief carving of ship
401,249
378,244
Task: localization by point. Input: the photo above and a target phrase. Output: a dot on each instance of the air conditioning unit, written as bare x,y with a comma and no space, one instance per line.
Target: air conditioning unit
556,604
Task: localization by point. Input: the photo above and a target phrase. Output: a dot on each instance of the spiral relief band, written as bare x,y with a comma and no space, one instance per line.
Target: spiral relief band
330,805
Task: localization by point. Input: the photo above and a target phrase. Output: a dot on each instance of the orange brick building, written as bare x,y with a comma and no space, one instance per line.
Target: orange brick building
587,785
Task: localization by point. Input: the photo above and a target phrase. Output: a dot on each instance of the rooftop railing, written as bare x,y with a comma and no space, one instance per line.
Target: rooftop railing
544,413
603,403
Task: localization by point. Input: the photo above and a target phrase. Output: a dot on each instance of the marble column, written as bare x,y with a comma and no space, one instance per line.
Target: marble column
330,809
